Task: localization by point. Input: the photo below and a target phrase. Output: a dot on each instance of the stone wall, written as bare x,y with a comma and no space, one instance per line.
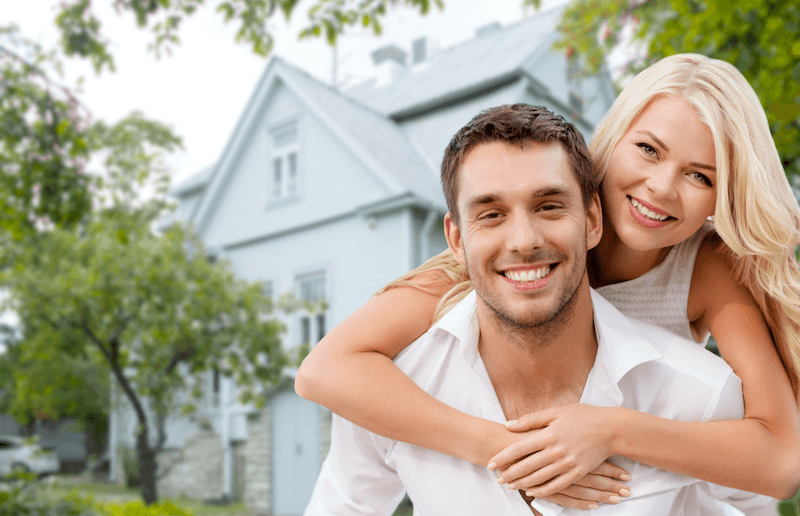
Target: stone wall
258,453
196,470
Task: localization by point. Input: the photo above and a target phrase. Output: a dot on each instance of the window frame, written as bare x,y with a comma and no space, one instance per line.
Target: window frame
288,187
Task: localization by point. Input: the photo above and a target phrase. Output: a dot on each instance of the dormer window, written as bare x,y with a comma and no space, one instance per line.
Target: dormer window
284,170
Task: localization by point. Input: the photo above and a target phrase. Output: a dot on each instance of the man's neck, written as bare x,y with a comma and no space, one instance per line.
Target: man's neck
543,367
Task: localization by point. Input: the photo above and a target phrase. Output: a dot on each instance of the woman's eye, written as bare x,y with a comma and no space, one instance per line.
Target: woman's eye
647,148
702,178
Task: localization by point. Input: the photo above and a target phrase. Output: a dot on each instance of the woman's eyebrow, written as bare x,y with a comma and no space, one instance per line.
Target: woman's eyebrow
655,139
664,146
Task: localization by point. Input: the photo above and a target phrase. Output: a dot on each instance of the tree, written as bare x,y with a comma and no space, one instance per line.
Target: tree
149,306
761,38
159,316
43,141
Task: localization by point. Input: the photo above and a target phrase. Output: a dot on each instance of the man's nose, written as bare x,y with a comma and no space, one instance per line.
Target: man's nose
524,235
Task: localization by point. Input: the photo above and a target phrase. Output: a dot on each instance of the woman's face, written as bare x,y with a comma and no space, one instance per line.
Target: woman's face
661,181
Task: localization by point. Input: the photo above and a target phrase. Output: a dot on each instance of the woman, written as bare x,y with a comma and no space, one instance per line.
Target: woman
687,138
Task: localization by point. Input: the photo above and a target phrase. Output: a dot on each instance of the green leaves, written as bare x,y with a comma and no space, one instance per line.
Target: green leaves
759,37
43,141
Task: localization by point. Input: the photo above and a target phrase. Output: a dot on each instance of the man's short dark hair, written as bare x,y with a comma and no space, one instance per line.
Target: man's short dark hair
517,124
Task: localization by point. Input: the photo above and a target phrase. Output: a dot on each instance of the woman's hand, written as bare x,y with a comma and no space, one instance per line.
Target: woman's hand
570,441
599,486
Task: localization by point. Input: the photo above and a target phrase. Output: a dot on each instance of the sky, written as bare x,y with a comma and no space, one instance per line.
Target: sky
202,88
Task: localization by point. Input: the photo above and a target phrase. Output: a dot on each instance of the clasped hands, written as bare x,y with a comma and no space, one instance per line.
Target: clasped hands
560,457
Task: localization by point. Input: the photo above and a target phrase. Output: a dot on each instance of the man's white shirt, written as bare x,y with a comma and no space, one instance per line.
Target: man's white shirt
638,365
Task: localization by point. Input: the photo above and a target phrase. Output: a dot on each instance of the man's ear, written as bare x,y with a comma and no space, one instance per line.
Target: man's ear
594,223
453,236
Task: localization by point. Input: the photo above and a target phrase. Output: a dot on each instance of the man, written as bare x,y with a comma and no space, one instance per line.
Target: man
524,211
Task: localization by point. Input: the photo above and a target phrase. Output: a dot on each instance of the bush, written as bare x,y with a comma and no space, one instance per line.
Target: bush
139,509
23,495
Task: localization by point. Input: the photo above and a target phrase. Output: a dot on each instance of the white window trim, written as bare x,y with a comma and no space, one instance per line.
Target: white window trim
290,191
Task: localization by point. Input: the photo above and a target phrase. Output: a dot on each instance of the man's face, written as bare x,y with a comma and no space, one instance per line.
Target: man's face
524,231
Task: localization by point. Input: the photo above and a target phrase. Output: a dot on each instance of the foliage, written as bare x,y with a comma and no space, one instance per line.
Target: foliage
81,29
23,496
139,509
790,507
760,37
43,140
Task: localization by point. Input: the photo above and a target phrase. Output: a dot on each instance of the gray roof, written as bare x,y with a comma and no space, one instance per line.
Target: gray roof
377,135
196,180
480,62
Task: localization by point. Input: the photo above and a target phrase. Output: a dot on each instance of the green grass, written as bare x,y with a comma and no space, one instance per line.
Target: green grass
103,492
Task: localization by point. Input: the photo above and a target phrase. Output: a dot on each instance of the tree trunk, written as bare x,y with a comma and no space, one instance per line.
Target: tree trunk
147,469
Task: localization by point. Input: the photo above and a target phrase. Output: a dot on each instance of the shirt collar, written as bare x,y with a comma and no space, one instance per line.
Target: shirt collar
620,348
620,345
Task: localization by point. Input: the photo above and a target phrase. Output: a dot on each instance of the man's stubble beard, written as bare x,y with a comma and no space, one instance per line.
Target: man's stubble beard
535,330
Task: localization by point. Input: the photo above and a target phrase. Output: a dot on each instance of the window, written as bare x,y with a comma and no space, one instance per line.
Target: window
311,289
284,182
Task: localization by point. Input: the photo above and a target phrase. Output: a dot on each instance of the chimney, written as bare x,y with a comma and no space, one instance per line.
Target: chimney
390,62
422,49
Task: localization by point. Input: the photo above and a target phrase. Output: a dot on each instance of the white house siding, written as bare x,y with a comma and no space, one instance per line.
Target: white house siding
356,258
332,179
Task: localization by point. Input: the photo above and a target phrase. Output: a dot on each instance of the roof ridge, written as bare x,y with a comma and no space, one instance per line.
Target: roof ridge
331,88
502,28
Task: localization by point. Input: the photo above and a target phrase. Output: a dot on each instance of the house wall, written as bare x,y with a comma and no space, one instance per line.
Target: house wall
332,179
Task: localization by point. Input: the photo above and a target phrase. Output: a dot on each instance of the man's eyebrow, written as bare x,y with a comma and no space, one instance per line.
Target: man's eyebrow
664,146
545,191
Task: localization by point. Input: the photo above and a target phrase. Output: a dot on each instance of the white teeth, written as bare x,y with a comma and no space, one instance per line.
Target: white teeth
528,275
647,213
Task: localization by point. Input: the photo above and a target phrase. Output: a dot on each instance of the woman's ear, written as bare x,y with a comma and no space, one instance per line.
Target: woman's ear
453,235
594,223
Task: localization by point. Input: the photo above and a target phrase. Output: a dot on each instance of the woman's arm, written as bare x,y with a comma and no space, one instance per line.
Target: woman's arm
760,453
351,372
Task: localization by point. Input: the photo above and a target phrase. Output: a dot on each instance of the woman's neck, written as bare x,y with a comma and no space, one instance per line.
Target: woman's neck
614,262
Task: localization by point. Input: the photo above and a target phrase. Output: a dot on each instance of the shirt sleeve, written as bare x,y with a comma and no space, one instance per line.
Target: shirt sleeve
355,479
731,406
731,401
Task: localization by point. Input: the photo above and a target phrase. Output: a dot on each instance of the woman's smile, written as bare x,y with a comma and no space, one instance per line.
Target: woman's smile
659,187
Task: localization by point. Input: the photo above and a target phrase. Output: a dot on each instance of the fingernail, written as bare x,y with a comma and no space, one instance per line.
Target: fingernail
614,499
512,422
492,465
624,477
529,493
625,492
593,506
500,480
511,487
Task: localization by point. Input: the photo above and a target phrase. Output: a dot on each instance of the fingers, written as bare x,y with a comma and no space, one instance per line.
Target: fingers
515,452
604,484
582,497
566,501
530,421
607,469
545,482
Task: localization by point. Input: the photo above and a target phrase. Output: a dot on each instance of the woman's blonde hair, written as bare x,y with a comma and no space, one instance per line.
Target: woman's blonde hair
756,215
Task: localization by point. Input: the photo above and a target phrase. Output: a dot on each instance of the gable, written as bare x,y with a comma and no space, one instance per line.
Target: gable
331,180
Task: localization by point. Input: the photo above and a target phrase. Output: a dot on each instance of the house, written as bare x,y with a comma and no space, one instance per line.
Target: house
333,194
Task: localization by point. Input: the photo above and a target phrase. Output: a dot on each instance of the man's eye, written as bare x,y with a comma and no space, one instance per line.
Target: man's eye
549,207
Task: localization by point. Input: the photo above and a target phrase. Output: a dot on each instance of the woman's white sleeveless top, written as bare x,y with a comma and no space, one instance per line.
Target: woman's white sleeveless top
660,295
